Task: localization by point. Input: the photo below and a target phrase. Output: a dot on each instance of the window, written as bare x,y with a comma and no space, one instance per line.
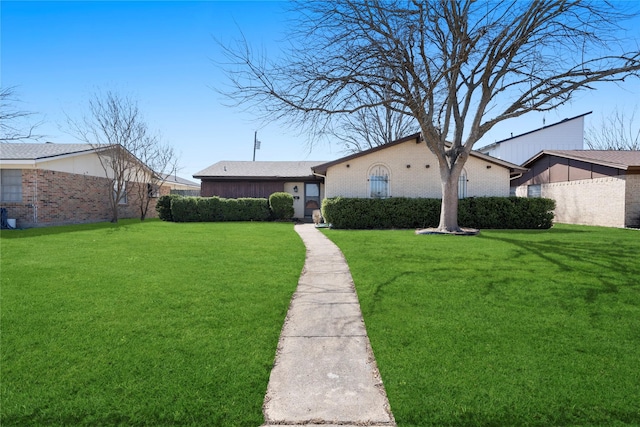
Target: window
534,190
379,182
11,185
153,191
462,185
123,196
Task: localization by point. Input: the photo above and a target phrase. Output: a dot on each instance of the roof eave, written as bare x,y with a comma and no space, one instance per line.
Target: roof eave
322,168
580,159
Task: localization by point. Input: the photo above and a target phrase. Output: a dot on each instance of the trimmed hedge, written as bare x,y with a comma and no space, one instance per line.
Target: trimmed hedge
281,205
163,206
209,209
481,212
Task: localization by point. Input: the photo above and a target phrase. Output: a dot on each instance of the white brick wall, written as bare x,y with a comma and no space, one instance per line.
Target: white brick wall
598,201
409,175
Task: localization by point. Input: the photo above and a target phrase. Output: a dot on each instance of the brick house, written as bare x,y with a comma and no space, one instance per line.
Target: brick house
407,168
403,168
590,187
55,184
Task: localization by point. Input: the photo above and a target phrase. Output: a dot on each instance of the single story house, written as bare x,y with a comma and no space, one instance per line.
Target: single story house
55,184
403,168
179,185
236,179
567,134
407,168
590,187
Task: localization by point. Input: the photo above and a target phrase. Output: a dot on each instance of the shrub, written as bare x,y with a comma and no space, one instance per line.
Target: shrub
281,205
185,209
252,209
163,206
481,212
211,209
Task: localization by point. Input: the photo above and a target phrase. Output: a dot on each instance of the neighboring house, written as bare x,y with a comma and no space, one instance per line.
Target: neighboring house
236,179
181,186
407,168
590,187
565,135
55,184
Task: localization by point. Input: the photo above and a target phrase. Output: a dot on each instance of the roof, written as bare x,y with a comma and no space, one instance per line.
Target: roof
38,151
487,147
175,179
619,159
417,137
228,169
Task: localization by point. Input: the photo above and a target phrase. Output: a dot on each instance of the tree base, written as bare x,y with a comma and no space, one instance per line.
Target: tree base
460,232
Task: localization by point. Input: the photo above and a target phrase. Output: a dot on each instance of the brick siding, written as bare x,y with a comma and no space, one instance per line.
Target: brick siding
57,198
599,201
413,172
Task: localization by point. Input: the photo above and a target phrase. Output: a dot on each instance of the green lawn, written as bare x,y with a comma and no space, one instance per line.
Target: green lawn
508,328
148,323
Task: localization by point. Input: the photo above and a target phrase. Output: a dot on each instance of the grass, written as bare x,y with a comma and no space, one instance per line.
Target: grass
509,328
148,323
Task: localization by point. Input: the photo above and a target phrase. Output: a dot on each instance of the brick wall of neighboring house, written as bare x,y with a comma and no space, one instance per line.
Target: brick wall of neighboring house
632,200
599,201
413,172
57,198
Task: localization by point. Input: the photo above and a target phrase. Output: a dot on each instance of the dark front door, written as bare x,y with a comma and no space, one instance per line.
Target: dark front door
311,198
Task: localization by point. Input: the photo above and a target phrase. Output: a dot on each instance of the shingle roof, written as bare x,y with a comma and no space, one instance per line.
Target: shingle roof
36,151
620,159
172,178
260,169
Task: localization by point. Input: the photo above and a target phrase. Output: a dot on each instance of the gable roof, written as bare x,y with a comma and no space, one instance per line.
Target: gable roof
40,151
31,154
228,169
495,144
619,159
321,169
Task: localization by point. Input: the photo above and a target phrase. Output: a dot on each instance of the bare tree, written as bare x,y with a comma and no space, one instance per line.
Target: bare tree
616,132
457,67
372,127
127,150
160,161
13,121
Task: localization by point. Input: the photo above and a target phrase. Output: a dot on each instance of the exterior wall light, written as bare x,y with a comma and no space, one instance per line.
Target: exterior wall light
295,188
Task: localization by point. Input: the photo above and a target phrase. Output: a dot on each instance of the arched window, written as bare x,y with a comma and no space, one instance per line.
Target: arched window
462,185
379,182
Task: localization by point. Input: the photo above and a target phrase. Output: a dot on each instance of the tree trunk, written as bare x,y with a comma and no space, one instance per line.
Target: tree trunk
114,214
449,208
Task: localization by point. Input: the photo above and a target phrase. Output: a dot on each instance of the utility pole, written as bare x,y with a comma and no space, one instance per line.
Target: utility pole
256,145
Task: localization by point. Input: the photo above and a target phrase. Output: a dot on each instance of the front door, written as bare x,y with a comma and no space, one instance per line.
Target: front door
311,198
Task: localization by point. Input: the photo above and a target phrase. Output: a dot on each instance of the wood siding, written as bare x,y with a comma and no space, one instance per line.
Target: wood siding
550,169
238,189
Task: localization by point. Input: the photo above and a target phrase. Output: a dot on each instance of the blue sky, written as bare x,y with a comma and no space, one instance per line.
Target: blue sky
59,54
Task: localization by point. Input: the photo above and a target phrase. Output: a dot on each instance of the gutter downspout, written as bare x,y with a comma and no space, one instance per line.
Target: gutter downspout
320,175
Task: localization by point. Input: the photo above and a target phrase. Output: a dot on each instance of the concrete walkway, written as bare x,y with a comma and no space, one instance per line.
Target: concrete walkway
325,373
